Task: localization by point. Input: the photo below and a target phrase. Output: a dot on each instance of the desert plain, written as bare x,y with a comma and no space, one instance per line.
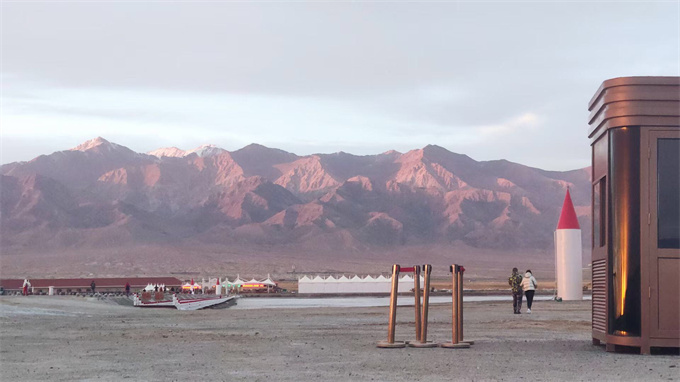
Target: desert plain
65,338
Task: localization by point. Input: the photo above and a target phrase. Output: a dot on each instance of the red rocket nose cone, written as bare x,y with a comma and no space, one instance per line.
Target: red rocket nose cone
568,218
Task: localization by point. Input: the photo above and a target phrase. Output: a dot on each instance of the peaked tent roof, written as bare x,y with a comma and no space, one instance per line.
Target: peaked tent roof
568,219
238,280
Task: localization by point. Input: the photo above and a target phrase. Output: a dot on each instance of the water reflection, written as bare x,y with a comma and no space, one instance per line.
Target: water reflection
357,302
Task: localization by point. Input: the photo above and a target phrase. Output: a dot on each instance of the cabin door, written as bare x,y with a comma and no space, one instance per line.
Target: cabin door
663,242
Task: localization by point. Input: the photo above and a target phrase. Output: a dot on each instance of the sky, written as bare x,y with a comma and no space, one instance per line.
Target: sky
493,80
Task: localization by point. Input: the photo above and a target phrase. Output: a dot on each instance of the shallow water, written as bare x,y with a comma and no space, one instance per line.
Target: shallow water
9,311
357,302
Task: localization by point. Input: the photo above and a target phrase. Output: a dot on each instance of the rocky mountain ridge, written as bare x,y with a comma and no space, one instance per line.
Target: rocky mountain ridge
102,193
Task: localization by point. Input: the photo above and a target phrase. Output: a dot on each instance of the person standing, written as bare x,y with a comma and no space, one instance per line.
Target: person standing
127,289
92,286
24,288
529,286
515,281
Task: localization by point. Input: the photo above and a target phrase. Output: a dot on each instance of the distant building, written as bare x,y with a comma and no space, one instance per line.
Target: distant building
353,285
82,285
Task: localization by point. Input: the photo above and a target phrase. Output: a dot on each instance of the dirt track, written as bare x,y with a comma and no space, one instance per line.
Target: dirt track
73,338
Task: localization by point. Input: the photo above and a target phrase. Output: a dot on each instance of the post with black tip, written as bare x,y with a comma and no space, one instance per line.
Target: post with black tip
461,270
454,344
391,343
424,343
416,292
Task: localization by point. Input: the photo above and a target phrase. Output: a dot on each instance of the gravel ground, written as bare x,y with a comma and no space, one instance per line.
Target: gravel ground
75,338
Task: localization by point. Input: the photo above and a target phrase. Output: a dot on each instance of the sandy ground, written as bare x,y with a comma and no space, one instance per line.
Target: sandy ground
75,338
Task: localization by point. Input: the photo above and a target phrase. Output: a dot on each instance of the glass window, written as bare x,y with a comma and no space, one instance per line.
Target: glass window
597,218
624,231
599,203
668,192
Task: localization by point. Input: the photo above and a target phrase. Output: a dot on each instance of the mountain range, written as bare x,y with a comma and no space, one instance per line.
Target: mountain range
102,194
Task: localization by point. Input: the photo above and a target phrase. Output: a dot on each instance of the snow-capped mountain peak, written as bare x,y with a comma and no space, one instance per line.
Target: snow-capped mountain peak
202,151
168,152
206,150
92,143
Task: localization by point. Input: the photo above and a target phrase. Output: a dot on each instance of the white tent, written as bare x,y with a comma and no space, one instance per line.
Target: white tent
355,284
269,283
319,284
191,287
331,285
305,285
238,282
405,283
368,285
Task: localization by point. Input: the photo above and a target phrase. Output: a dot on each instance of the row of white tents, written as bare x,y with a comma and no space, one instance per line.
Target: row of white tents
356,284
237,282
229,284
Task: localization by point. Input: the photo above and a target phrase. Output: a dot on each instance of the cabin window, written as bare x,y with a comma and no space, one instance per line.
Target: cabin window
599,203
668,192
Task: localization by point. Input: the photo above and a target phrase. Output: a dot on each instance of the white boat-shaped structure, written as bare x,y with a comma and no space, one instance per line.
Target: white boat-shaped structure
184,304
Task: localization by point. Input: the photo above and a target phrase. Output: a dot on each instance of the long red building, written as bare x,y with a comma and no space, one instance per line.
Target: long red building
113,284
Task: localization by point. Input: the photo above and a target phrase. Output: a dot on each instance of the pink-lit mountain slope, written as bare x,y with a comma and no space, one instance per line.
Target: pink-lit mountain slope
102,193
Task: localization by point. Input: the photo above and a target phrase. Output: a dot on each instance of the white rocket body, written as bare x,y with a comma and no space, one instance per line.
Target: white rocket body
568,253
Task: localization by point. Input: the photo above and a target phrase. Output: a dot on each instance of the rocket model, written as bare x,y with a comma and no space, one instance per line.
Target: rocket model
568,252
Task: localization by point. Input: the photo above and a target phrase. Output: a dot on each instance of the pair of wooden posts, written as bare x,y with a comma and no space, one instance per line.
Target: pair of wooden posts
422,315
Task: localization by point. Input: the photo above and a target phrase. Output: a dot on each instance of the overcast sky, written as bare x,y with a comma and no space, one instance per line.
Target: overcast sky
493,80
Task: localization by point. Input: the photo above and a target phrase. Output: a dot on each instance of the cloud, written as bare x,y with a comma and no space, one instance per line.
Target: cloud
326,76
526,121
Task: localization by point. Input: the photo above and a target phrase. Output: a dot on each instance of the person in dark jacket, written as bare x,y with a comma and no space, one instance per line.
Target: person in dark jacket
127,289
92,286
515,281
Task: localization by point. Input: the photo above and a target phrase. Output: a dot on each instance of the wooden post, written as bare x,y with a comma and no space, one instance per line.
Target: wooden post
423,343
416,289
461,270
456,319
390,343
